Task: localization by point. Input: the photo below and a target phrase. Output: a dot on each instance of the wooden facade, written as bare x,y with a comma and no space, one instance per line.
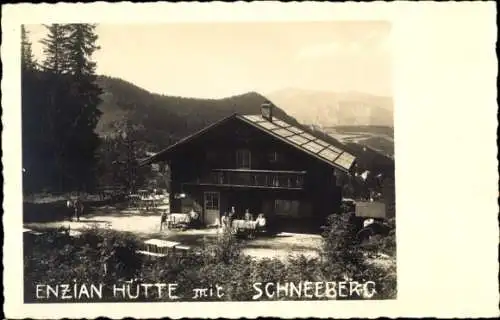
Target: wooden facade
236,164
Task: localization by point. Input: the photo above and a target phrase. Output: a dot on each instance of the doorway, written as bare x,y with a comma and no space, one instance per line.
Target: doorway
211,207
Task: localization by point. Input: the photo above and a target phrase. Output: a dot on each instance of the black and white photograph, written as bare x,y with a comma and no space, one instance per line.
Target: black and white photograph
237,164
242,163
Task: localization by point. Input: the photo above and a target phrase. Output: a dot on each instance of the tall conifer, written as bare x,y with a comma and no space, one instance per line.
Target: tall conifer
27,59
55,44
85,96
71,111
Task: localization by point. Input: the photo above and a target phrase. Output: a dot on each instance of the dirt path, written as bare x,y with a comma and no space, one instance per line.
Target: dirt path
146,226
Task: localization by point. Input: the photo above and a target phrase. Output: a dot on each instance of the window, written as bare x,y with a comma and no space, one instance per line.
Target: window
243,159
211,201
313,147
345,160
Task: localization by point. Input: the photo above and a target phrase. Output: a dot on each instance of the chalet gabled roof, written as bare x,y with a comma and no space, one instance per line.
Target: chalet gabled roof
184,140
287,133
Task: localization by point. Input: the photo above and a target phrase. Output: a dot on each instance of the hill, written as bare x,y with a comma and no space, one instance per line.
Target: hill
167,119
326,109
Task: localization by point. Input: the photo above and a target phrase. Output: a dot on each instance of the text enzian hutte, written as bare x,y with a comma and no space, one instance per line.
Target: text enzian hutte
169,291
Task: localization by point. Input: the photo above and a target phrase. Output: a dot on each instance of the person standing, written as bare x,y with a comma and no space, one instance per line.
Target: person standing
231,215
70,212
163,219
76,207
224,221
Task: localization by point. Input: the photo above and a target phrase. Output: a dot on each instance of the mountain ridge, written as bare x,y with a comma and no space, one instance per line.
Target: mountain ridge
328,108
175,116
310,107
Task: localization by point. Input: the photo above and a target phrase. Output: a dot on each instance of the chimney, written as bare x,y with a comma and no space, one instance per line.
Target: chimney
267,111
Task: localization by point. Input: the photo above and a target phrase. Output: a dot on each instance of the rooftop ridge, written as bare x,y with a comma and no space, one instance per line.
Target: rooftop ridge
285,132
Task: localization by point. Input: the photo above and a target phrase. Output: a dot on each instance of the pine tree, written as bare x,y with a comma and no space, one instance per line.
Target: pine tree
55,97
81,46
28,61
55,43
85,98
71,103
31,110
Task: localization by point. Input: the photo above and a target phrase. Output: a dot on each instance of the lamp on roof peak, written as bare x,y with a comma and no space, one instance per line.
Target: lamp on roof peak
267,111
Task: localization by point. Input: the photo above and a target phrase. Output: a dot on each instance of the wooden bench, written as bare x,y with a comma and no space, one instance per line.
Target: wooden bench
158,247
162,248
31,232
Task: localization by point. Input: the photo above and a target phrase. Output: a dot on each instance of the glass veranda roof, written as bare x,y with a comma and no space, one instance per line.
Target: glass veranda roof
303,140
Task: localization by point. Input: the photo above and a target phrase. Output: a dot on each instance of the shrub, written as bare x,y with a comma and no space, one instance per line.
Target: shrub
340,253
226,249
105,256
116,253
97,256
344,256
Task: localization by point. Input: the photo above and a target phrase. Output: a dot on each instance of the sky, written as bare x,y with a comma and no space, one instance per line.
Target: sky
215,60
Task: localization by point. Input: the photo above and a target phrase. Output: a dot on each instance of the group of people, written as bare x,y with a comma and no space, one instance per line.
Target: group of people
228,218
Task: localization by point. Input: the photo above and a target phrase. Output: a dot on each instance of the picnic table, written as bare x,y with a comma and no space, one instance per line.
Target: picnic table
151,201
110,192
31,232
74,233
162,248
180,220
145,199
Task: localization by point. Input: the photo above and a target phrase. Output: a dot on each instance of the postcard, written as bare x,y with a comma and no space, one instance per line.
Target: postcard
249,159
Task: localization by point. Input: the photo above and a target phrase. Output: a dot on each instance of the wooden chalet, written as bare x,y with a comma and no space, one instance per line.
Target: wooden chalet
256,163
